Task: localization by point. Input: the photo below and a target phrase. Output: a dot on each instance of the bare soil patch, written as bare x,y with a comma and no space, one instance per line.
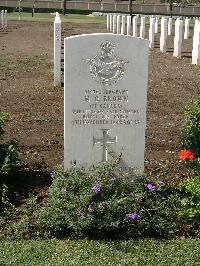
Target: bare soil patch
36,107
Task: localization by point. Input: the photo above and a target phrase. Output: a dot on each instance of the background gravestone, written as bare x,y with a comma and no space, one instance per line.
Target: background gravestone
105,84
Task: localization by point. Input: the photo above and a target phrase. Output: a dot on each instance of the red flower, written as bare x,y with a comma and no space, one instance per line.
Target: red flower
187,154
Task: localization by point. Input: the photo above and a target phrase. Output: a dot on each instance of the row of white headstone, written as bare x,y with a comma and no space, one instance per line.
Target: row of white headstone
4,19
121,24
116,23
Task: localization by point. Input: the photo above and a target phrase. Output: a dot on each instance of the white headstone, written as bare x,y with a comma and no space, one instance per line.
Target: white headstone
151,32
5,19
196,45
128,25
105,95
170,26
111,22
57,50
123,25
135,26
142,28
196,22
118,24
2,19
187,28
157,24
178,38
163,35
114,23
108,21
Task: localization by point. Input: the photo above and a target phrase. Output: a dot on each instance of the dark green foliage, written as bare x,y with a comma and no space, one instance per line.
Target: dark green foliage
190,204
8,152
190,138
189,212
3,119
8,158
95,203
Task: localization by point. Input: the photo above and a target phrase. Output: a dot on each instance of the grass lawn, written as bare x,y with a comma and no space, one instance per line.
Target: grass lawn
84,252
75,18
49,17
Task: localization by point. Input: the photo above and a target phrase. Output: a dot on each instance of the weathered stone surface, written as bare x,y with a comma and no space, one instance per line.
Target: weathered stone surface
163,35
151,32
178,38
105,97
57,50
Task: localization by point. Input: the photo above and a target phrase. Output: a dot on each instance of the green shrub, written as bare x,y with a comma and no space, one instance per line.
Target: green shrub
8,158
190,138
8,151
21,222
3,119
190,204
99,204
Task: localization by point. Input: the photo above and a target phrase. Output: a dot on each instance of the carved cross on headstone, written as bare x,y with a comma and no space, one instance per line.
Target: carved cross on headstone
105,141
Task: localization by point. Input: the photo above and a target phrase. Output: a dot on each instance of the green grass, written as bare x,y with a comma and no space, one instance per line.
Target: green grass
84,252
49,17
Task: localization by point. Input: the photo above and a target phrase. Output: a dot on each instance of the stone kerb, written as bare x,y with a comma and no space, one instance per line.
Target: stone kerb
57,50
105,96
178,38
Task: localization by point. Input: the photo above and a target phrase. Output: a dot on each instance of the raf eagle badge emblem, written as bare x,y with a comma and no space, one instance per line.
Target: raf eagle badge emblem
106,68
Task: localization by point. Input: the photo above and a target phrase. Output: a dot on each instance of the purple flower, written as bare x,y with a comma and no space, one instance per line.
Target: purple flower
64,189
78,213
133,216
150,187
90,208
101,205
53,174
96,189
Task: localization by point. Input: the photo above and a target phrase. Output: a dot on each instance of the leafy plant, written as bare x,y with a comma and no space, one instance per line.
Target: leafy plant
190,204
3,119
101,204
190,138
8,158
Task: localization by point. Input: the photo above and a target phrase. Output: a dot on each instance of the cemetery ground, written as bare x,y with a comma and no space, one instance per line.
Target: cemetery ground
35,107
35,111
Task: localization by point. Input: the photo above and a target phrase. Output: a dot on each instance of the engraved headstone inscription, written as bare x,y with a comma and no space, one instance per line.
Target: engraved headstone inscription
105,94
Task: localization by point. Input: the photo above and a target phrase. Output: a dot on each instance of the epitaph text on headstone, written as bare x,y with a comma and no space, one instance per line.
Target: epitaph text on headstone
105,94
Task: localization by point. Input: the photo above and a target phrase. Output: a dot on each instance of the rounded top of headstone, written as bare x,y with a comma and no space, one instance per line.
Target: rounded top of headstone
57,17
